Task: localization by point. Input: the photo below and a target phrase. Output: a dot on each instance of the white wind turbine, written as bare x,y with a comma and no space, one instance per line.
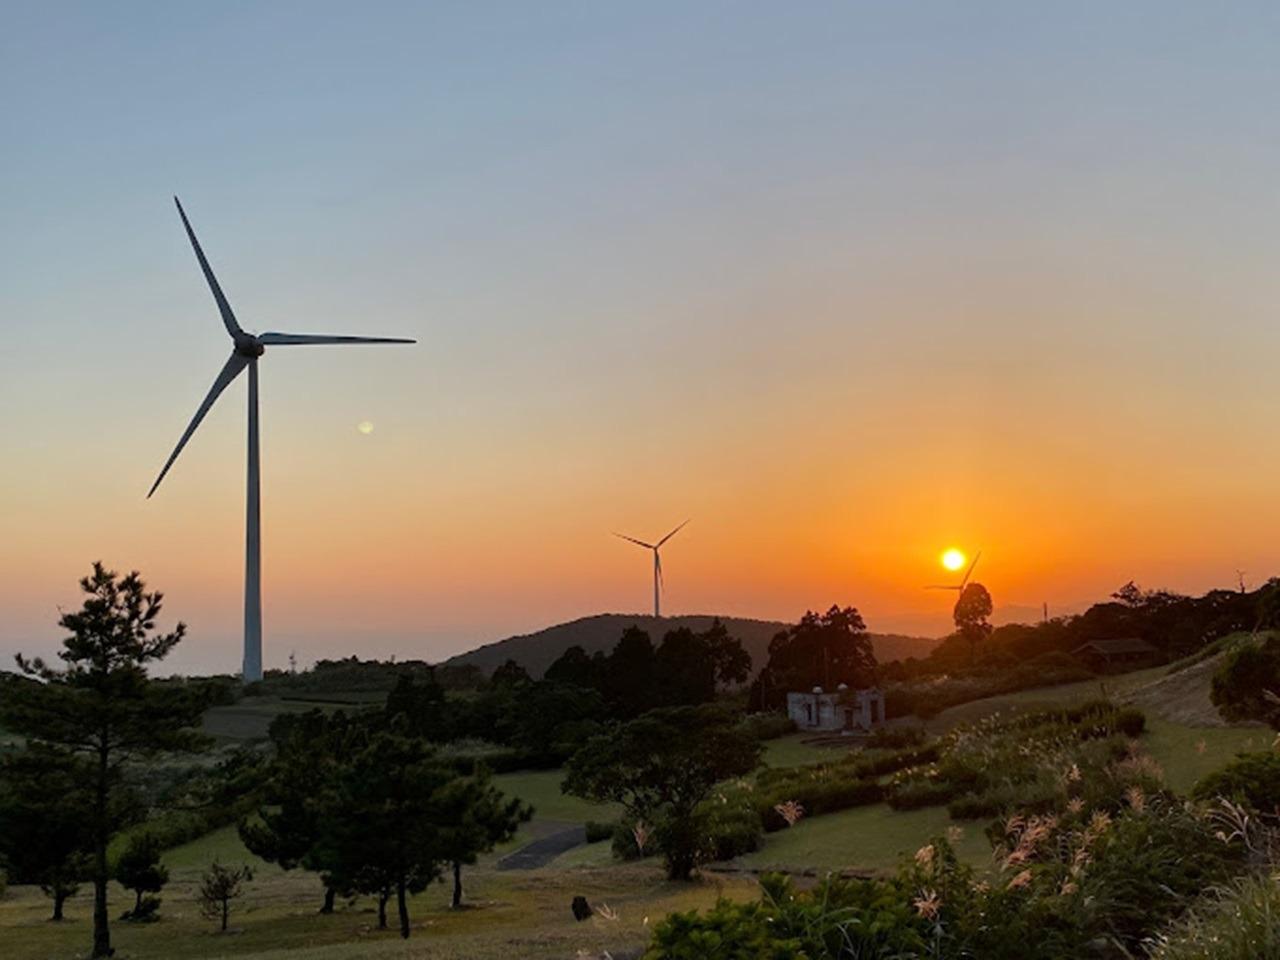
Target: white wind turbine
657,564
246,348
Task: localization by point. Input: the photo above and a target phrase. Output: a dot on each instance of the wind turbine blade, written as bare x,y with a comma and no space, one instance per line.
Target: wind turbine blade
968,573
229,372
673,532
657,565
306,339
647,546
224,308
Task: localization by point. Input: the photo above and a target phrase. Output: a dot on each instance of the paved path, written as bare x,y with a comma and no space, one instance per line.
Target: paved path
545,849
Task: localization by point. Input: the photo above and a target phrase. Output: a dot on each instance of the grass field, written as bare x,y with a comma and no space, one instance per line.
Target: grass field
792,751
512,915
541,788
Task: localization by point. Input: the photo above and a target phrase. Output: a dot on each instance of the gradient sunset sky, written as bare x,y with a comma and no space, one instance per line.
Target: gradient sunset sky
845,283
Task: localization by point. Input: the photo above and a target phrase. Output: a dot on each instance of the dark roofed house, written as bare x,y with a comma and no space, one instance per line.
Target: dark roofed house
1116,656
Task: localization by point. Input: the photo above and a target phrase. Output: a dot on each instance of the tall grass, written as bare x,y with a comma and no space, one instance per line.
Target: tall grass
1238,922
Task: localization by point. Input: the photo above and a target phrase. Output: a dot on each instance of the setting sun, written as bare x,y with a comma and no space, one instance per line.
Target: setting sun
953,559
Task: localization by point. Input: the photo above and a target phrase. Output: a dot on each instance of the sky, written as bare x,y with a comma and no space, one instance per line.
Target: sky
846,284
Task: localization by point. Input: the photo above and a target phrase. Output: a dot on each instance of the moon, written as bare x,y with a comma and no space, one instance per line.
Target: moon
365,427
953,559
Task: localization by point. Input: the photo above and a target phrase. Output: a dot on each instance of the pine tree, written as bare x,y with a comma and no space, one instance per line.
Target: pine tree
102,707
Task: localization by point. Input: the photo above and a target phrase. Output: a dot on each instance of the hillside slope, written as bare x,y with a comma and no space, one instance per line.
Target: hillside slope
537,651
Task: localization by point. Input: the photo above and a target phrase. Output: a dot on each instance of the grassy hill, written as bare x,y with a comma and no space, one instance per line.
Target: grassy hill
537,651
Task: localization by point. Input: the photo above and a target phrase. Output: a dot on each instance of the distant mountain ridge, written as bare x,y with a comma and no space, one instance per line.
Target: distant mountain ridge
537,651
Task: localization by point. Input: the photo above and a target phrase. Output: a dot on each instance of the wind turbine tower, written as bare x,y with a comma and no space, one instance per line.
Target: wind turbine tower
657,564
246,349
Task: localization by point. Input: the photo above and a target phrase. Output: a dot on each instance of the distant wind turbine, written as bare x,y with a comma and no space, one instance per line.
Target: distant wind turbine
657,564
958,587
245,350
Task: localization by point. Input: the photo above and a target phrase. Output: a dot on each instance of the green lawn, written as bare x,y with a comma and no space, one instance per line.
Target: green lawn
1179,750
541,788
791,751
874,838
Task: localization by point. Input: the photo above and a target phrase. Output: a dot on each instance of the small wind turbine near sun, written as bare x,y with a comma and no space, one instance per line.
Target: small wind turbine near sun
657,564
246,348
953,560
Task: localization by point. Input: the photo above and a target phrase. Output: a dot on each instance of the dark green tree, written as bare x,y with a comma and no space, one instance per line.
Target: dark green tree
510,674
139,869
692,666
101,706
220,885
972,617
421,704
573,667
381,829
660,766
630,681
286,829
825,649
45,813
474,817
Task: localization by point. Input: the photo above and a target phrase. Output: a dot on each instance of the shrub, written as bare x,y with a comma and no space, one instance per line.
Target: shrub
838,918
1240,686
817,797
146,910
1033,797
1251,778
896,738
915,793
768,726
730,825
597,831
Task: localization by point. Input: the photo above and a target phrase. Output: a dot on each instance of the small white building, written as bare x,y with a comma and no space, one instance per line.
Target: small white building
843,710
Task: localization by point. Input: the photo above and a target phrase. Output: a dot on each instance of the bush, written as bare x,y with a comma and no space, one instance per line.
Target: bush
896,738
916,793
817,797
146,911
768,726
731,826
1251,778
838,918
597,831
1241,685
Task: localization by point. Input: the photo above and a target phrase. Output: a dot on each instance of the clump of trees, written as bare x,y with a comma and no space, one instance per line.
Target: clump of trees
823,649
99,713
374,808
687,668
660,767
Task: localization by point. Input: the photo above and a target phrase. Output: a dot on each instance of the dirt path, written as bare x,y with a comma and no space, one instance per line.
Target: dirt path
545,849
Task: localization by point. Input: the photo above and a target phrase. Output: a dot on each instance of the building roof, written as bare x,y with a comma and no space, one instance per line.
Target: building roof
1111,648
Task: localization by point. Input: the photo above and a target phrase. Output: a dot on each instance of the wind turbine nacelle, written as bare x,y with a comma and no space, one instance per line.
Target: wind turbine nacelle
249,347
